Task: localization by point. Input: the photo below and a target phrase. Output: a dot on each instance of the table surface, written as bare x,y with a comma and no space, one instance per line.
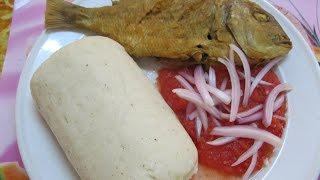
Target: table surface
27,25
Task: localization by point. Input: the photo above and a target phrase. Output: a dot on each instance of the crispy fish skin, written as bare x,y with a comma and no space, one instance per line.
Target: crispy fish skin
179,29
254,34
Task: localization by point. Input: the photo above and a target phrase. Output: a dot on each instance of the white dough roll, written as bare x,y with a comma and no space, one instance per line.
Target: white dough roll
110,121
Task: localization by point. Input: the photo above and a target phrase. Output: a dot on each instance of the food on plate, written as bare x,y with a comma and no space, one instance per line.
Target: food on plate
179,29
12,171
235,115
110,121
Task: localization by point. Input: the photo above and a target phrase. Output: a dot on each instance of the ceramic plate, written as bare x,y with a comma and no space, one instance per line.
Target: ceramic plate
298,158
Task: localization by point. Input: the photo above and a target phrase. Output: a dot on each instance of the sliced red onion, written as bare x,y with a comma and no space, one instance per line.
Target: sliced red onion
203,117
244,113
198,127
214,111
262,73
216,101
206,77
235,83
259,115
270,101
192,115
254,125
280,117
187,77
251,167
215,121
190,108
246,131
212,77
188,95
254,117
223,85
278,103
225,107
200,83
221,141
250,152
196,99
222,96
184,82
262,82
250,111
247,73
229,92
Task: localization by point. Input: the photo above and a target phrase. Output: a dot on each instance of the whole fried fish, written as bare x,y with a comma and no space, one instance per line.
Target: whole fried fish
179,29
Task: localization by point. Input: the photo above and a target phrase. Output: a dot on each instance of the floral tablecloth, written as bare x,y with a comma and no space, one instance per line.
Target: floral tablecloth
27,25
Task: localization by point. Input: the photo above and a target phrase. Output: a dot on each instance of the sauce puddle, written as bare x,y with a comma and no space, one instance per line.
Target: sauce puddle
220,158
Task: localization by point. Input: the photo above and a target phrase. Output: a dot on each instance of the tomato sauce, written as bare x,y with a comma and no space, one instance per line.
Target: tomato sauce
220,158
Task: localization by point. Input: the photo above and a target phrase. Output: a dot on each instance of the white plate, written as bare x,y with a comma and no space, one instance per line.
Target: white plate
299,157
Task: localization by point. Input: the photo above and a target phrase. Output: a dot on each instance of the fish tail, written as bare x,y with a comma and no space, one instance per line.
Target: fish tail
61,14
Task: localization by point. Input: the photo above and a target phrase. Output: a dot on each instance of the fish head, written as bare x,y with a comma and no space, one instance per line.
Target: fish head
257,32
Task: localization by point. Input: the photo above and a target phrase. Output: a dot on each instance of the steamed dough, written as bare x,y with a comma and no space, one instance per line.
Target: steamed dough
108,118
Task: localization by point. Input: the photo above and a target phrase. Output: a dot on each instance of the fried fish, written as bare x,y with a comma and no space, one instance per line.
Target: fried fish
179,29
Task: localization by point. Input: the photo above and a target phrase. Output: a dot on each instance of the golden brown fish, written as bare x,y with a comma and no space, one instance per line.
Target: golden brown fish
179,29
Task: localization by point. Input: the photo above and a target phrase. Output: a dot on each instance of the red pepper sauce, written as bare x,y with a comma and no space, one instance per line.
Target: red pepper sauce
221,157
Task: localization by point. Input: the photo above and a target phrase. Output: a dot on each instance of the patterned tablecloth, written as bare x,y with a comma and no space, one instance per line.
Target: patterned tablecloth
27,25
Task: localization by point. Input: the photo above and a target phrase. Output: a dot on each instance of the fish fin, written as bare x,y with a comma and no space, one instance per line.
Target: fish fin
61,14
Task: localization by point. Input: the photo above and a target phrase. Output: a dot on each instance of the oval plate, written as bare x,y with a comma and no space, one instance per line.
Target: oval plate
298,158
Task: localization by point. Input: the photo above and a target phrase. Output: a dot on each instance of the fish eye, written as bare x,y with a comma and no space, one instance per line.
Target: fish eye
261,17
199,46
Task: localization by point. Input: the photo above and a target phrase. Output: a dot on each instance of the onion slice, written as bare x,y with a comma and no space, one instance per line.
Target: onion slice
187,77
202,114
246,131
250,152
190,108
223,85
259,115
270,101
203,117
244,113
200,82
206,77
212,77
198,127
280,117
252,118
192,115
221,141
262,73
235,88
184,82
196,99
215,121
222,96
251,167
250,111
262,82
247,73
